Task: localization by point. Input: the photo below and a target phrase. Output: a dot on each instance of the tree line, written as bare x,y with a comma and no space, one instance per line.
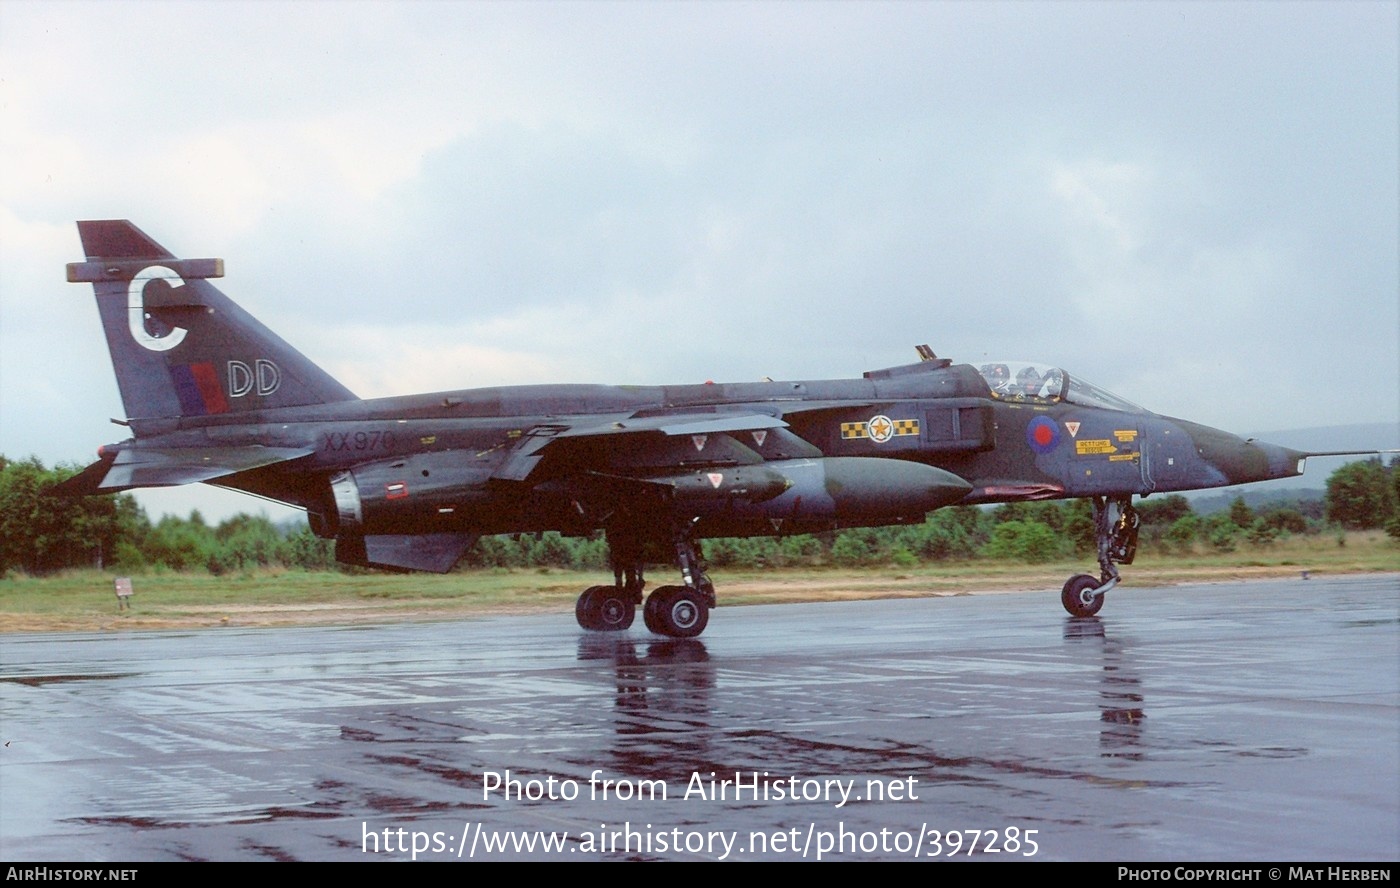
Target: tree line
40,534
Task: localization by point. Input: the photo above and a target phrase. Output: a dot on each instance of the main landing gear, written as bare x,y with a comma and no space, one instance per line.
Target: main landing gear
1116,529
677,611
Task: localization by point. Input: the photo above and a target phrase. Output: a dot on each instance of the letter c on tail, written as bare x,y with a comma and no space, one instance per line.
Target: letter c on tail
136,309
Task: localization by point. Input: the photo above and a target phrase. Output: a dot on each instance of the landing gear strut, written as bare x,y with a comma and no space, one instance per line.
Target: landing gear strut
1116,529
678,611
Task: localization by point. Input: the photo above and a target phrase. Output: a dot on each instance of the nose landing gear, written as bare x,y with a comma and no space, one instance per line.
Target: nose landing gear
1116,530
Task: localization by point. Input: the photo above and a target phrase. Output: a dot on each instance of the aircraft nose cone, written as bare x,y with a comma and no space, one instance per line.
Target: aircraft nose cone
1283,462
1241,461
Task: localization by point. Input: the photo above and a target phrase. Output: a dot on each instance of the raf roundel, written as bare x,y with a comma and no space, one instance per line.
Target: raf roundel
1042,434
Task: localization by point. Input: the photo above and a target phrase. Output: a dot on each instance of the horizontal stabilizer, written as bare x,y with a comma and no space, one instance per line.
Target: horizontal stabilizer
125,269
171,466
85,483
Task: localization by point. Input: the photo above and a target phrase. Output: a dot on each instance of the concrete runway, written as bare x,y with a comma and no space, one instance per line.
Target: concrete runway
1255,721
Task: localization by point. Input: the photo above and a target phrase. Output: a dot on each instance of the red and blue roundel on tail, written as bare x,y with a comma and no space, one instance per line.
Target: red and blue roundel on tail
1043,434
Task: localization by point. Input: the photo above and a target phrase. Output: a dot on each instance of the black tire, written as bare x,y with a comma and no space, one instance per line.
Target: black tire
604,609
612,610
1072,597
682,613
586,608
654,601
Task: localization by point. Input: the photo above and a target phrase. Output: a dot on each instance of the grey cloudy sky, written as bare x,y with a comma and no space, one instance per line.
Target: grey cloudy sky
1192,204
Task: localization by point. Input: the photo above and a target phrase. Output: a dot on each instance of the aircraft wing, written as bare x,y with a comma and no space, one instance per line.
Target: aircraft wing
528,453
171,466
679,424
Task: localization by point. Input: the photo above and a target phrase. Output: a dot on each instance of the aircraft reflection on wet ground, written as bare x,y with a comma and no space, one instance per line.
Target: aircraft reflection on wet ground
1196,724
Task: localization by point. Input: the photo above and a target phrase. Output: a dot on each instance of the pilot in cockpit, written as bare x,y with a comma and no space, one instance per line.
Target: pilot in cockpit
998,377
1028,382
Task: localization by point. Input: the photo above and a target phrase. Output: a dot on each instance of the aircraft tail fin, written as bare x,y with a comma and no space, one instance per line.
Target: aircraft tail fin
180,347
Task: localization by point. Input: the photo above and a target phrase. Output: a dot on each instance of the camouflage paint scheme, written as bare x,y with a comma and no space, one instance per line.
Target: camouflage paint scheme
411,482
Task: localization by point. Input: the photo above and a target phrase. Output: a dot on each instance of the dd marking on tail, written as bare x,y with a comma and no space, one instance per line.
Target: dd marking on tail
242,379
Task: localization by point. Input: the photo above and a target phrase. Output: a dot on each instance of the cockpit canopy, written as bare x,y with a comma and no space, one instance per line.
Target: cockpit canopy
1043,384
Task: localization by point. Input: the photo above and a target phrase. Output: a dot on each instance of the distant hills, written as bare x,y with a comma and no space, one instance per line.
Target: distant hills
1384,435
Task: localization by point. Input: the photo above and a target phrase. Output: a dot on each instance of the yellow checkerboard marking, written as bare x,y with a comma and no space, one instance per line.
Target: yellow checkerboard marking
853,430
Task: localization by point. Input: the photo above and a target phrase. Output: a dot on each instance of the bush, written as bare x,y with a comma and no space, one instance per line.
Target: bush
1184,532
1361,495
948,533
1028,541
900,556
128,558
1262,534
1220,533
1284,520
854,548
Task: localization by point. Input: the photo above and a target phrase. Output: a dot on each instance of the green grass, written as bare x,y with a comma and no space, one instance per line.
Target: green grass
85,600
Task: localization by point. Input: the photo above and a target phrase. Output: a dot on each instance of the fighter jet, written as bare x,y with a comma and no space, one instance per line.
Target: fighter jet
410,483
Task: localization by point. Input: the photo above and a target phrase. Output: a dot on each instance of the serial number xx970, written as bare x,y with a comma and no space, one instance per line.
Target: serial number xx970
357,441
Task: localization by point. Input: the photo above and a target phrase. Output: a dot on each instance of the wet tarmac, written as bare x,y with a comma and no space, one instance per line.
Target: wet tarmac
1255,721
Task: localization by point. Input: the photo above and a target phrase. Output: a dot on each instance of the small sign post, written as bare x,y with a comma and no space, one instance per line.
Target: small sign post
123,585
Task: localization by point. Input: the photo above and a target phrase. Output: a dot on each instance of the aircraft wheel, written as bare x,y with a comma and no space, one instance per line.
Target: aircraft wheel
1075,599
653,603
614,612
680,612
586,608
604,609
